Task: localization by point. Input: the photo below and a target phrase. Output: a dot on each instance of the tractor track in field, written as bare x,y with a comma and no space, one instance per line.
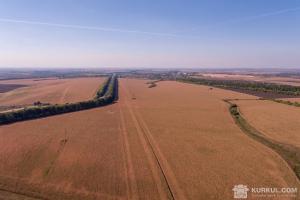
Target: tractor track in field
168,173
62,145
149,153
64,94
20,196
23,188
157,161
131,184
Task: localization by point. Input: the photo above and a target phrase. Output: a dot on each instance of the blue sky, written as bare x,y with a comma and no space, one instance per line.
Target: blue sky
149,33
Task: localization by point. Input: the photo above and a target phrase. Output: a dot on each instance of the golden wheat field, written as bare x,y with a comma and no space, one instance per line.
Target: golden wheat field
172,141
51,90
275,120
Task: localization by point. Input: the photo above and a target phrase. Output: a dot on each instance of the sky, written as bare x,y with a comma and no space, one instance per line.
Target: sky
149,33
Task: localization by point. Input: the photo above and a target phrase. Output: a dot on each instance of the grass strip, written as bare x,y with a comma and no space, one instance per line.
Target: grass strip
290,153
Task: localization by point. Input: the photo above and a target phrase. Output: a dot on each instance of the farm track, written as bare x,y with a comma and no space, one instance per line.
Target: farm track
132,190
150,143
60,150
156,171
168,173
64,95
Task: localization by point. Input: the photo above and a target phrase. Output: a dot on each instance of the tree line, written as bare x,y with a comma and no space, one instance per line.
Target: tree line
246,85
297,104
106,94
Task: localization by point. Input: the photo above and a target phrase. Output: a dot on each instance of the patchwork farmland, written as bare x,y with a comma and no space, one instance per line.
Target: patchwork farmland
171,141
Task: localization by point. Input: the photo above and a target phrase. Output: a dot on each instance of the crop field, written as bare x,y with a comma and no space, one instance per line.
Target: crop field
51,90
171,141
254,77
277,121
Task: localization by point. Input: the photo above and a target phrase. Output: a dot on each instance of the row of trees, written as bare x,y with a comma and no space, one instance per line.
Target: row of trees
103,88
247,85
297,104
152,83
108,95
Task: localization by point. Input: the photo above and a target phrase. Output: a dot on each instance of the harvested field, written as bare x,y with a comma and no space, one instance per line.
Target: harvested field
174,141
54,91
277,121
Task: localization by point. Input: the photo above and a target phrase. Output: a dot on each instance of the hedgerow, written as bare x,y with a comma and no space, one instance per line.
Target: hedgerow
106,94
246,85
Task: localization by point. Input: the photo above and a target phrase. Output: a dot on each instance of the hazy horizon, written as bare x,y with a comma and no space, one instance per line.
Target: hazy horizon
135,34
